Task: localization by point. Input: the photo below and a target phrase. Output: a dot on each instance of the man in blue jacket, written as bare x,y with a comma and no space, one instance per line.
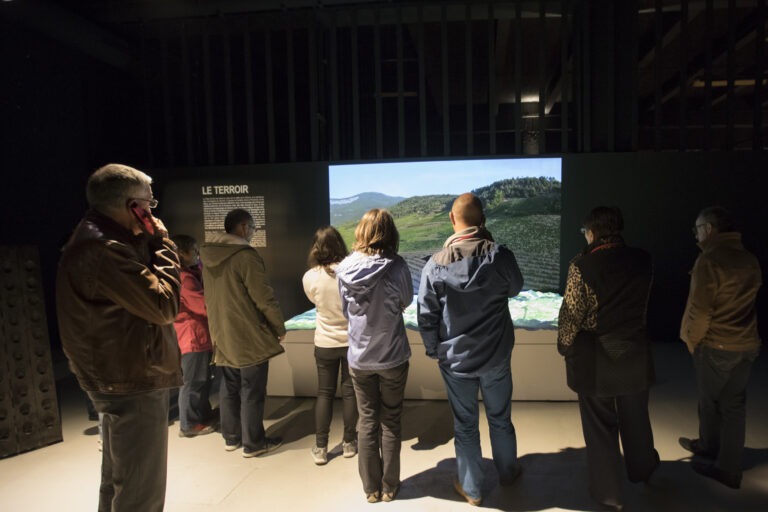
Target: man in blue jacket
465,324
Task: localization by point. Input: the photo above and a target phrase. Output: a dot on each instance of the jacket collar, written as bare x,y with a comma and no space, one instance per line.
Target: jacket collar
727,239
607,242
473,233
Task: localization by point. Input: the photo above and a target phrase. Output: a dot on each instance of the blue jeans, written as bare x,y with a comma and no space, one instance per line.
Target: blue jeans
241,403
722,378
330,363
194,404
379,396
496,387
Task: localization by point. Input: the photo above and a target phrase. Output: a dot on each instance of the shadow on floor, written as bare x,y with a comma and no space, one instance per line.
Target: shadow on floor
559,480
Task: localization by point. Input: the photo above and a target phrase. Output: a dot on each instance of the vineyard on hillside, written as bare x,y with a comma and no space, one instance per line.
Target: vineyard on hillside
523,214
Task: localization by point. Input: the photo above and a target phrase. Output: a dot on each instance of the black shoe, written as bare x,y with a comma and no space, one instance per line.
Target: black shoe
647,477
692,445
506,482
726,478
270,444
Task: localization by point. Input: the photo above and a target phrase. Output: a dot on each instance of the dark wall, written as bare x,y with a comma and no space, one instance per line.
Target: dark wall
660,195
295,204
63,115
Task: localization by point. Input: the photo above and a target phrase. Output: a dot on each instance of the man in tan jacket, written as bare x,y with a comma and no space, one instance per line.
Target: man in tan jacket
720,328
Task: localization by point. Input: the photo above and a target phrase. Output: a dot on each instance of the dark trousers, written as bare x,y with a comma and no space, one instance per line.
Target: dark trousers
194,403
722,378
134,457
242,395
379,396
604,420
330,363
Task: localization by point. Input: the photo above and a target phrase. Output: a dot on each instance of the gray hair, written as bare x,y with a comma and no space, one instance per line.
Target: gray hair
719,217
110,185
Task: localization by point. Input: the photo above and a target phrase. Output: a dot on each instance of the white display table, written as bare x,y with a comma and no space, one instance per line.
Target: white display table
538,371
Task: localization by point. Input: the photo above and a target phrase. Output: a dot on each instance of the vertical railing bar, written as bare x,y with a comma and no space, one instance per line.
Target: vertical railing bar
291,77
657,62
377,77
211,147
731,75
270,93
186,79
355,89
518,78
709,23
228,94
400,98
334,72
314,142
250,129
491,81
167,117
757,110
445,84
422,84
146,94
683,74
468,93
564,71
542,79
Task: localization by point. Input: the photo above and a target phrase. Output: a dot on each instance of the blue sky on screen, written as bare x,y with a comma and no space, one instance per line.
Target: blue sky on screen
409,179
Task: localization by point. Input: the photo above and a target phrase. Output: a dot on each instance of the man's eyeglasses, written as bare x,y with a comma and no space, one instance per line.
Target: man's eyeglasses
152,202
695,228
582,230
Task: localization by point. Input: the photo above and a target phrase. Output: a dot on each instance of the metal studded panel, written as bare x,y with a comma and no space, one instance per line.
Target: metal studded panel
29,412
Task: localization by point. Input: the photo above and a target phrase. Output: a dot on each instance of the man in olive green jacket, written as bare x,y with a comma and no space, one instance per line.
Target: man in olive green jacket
720,329
247,327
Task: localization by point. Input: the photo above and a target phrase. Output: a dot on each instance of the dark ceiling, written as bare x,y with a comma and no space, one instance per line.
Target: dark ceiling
699,65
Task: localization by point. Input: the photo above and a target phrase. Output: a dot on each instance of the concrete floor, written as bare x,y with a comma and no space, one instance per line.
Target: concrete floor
203,477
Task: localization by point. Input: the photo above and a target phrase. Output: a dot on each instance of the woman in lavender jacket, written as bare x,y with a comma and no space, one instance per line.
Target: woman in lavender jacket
375,287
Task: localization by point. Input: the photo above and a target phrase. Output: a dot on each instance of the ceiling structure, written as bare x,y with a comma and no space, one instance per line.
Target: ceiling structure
697,67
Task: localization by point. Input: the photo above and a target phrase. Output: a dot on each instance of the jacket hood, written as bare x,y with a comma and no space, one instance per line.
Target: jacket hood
221,247
473,241
359,271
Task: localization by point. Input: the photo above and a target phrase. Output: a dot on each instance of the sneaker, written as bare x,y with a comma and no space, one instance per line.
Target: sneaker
373,497
270,444
475,502
320,454
390,495
196,430
230,447
349,449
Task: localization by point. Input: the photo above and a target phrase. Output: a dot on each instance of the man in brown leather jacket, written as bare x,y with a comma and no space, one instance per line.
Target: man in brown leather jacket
117,294
720,328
